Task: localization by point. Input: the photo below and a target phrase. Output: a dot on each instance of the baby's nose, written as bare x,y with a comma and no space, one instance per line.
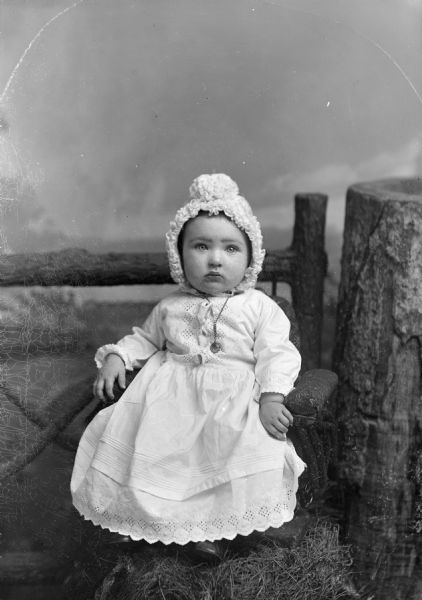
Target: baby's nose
215,258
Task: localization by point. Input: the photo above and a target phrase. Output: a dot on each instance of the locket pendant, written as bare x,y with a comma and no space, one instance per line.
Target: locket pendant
215,347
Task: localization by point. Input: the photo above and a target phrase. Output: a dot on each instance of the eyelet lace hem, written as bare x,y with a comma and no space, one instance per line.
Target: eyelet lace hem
258,518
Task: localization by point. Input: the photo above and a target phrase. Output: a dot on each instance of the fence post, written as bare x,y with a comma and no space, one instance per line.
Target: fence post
378,360
309,274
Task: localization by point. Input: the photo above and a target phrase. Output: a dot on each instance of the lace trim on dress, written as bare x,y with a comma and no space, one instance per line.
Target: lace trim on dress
258,517
104,351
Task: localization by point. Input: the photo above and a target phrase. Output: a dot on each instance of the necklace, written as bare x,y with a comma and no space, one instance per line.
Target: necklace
216,346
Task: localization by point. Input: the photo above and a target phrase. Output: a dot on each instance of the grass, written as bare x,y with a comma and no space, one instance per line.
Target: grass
318,568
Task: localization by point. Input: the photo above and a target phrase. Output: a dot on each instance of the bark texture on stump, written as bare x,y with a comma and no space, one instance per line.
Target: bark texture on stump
378,360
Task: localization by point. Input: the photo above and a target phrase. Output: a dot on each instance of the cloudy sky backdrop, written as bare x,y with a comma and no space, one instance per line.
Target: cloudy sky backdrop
110,109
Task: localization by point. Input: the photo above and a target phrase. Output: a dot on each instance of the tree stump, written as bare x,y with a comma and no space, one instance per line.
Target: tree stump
378,360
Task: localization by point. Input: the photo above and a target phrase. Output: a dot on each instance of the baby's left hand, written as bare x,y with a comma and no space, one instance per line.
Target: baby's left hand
275,417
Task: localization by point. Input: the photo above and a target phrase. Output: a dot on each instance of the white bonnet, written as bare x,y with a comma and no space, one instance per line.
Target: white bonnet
214,194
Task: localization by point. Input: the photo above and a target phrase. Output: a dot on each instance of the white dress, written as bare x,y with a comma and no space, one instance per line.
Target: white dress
183,456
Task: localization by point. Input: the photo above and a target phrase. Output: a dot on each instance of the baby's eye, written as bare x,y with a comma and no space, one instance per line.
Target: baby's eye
232,249
200,246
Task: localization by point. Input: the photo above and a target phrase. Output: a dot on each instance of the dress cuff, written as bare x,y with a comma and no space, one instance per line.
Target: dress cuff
276,384
104,351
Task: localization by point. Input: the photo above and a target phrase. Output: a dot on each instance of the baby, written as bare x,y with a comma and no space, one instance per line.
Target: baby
196,449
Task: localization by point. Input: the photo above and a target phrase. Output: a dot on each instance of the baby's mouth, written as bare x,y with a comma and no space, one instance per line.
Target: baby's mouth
214,274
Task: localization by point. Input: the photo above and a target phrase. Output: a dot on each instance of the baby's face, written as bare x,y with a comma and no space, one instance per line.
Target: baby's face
215,254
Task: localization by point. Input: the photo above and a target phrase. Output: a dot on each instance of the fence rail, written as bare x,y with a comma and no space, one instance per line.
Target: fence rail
77,267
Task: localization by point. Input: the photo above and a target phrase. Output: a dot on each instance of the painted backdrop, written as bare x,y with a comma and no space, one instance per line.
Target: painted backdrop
109,109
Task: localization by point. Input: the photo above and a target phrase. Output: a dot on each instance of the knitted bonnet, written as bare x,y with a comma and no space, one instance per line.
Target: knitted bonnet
214,194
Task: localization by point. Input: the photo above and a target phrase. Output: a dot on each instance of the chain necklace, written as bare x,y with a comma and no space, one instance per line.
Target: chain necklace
217,346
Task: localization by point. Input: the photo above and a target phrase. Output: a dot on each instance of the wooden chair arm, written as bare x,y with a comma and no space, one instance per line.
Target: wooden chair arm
314,432
309,400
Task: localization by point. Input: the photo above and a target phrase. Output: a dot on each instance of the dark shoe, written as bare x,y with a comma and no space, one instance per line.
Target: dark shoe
124,543
243,544
209,552
121,539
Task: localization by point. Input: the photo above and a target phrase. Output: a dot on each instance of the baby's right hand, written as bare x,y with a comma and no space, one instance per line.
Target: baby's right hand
113,368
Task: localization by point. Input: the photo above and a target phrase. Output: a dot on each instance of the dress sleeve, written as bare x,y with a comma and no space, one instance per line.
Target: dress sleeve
277,359
139,346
